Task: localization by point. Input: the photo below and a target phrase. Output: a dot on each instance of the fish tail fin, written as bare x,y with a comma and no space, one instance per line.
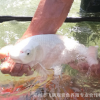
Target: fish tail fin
92,55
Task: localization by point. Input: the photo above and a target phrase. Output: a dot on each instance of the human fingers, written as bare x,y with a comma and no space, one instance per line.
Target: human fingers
15,69
21,69
6,66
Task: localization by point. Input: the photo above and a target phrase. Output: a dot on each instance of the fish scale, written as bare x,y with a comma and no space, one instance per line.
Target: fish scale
50,40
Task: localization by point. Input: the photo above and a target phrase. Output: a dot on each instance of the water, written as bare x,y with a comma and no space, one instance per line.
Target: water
87,33
18,8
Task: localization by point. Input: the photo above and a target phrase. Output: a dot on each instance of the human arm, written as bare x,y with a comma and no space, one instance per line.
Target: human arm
48,17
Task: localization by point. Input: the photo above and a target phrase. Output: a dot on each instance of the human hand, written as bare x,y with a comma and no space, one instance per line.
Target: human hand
84,67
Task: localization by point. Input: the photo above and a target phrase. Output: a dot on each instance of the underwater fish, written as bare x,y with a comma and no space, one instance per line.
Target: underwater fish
44,52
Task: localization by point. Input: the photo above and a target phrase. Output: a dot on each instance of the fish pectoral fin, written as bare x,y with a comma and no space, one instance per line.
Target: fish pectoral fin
92,54
47,71
42,70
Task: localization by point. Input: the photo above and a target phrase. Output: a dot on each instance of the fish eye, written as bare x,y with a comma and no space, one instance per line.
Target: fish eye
28,53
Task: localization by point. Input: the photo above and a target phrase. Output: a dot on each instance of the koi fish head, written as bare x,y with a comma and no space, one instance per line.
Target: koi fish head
23,52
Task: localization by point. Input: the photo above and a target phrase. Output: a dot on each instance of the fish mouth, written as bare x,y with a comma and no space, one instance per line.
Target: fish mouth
17,61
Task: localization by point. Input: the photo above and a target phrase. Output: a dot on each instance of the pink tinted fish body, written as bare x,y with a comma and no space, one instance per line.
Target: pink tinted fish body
43,52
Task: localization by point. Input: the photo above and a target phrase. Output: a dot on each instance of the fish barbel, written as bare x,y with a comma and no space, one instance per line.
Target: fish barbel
44,52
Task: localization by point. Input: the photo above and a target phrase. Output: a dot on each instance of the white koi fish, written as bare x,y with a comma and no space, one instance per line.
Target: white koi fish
44,52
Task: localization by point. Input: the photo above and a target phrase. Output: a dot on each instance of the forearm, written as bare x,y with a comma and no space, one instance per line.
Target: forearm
48,17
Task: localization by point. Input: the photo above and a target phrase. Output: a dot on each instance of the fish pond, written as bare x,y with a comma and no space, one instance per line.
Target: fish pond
72,85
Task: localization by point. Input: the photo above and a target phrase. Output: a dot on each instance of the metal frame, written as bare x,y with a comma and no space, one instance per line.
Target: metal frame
68,19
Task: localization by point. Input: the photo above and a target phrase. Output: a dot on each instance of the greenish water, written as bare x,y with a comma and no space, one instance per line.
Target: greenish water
18,7
87,33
